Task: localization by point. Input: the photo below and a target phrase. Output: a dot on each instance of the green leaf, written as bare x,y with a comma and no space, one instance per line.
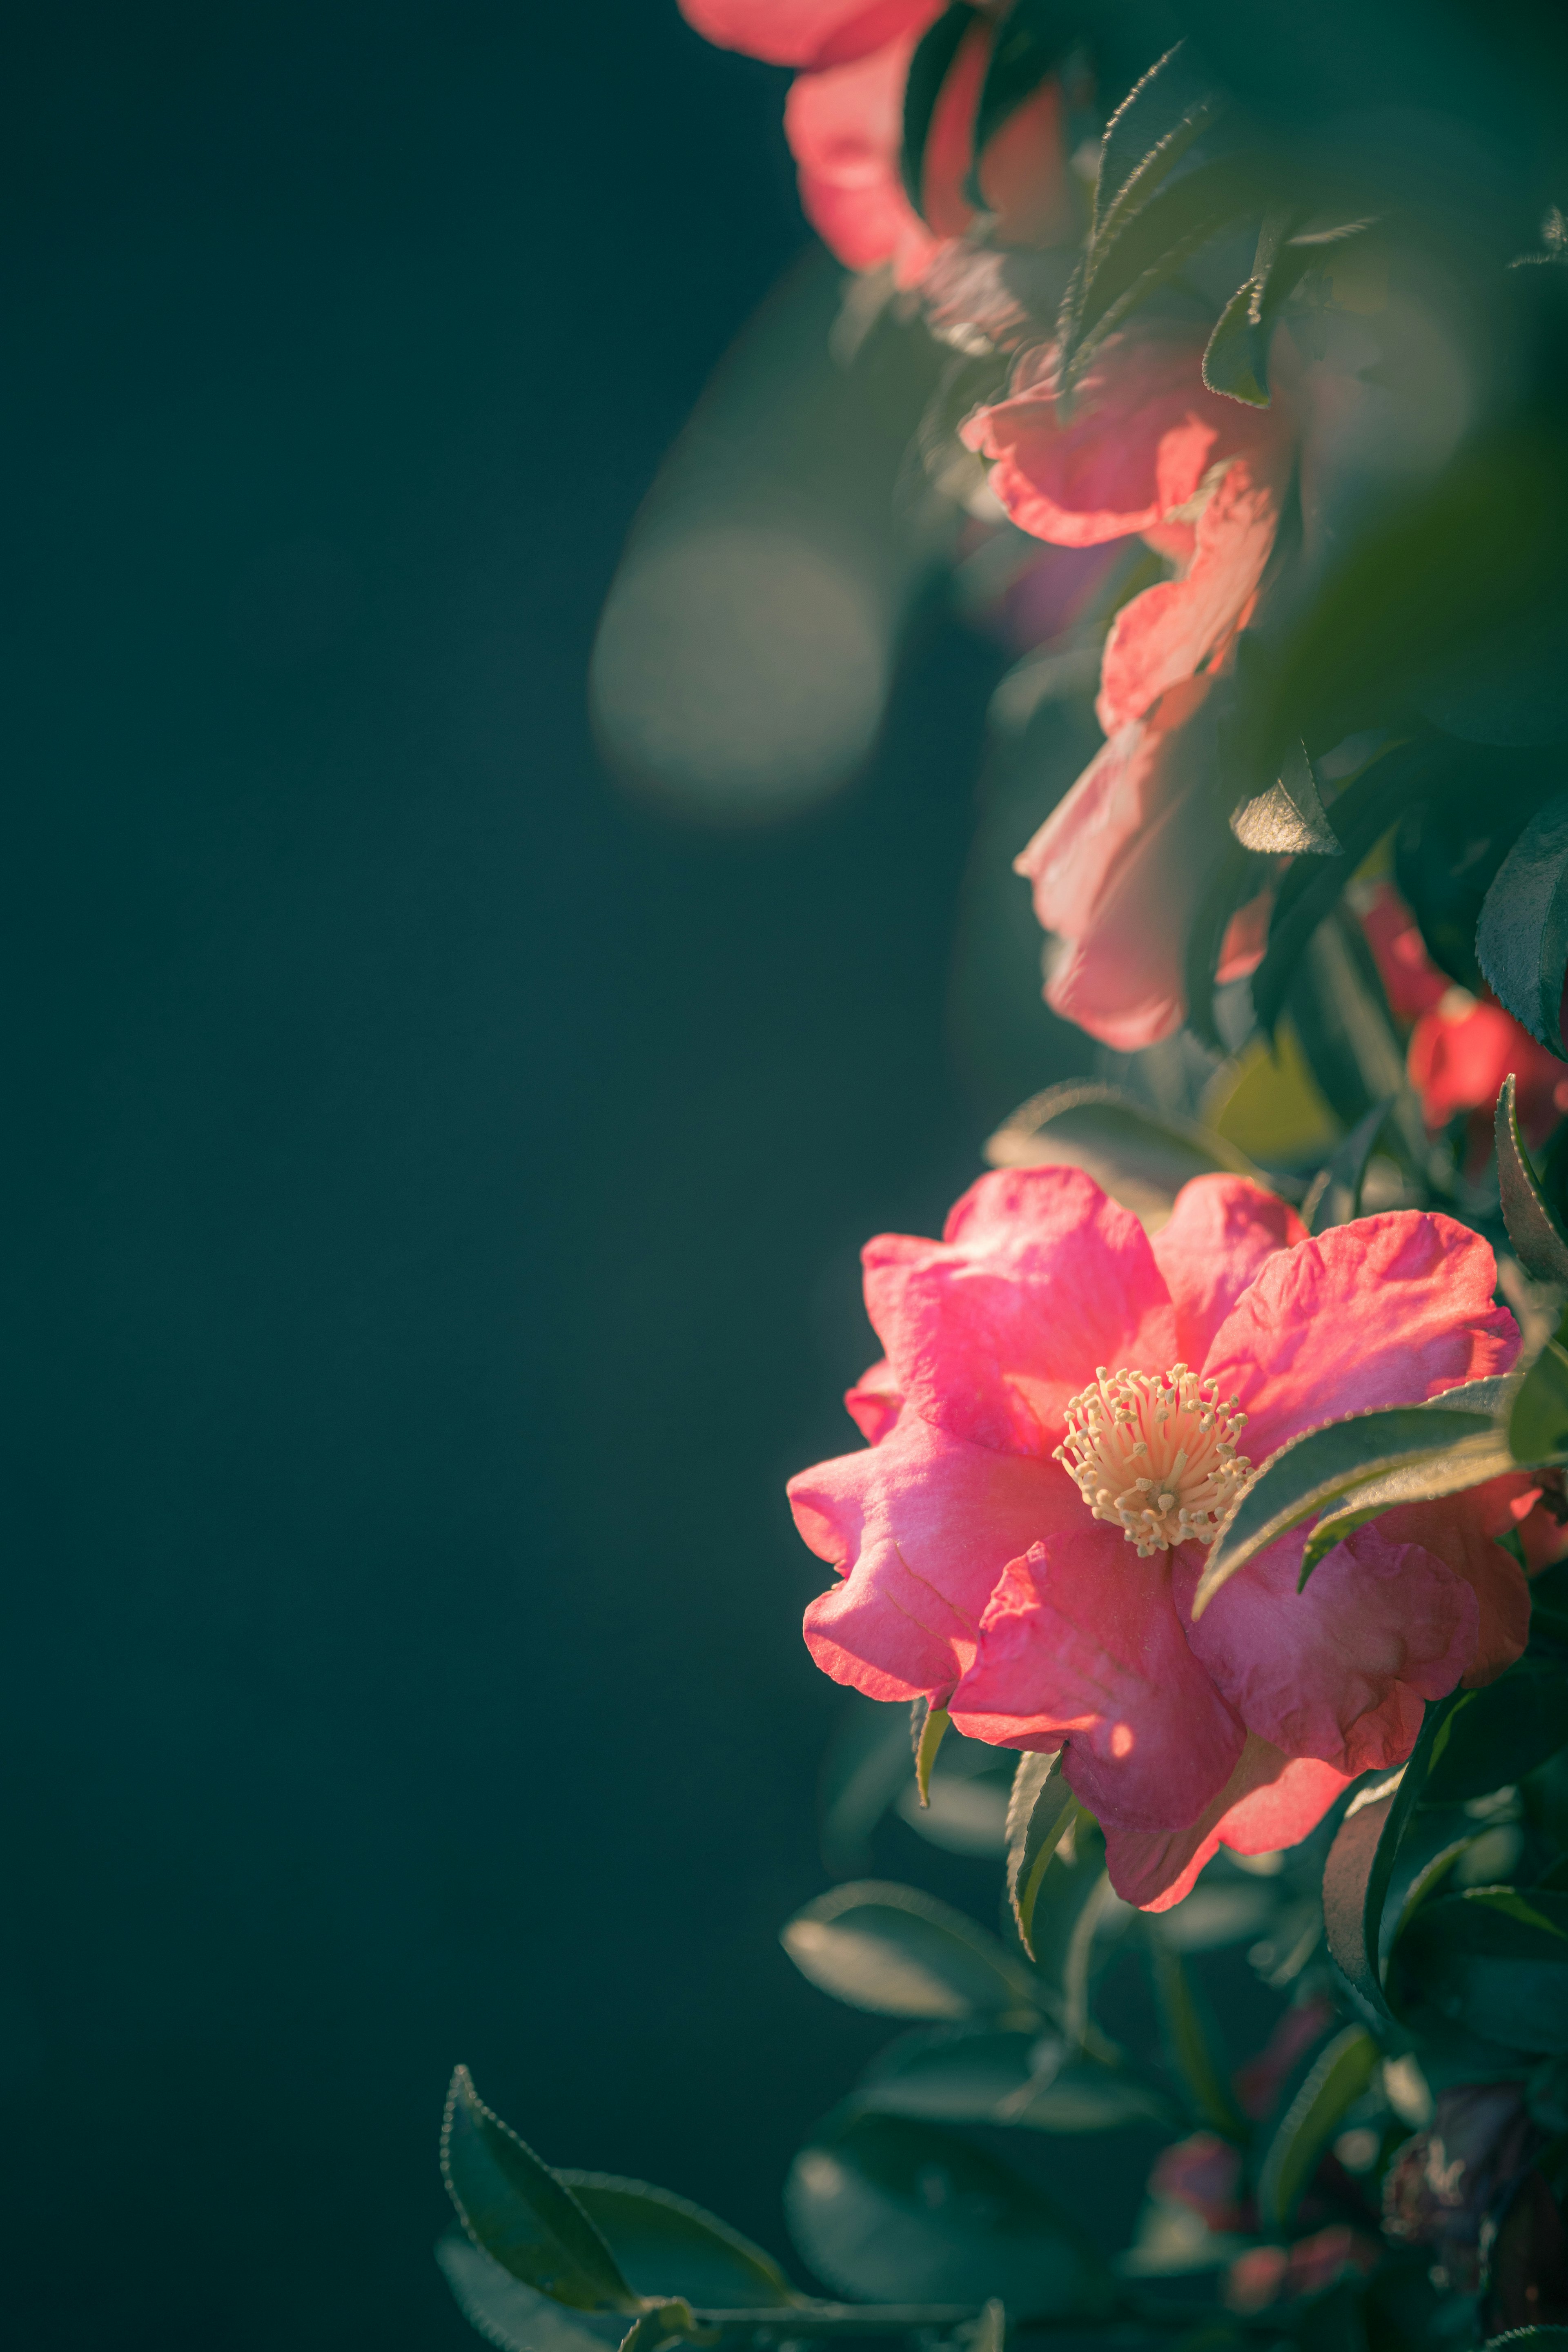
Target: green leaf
1538,1239
866,1766
518,2210
1471,1463
1521,939
1236,360
966,1812
667,2246
1359,1867
1040,1809
1139,1158
1150,133
1529,2339
1538,1423
1023,2080
1493,1962
514,2317
1191,2042
883,2206
1147,246
1334,1197
1314,1470
1495,1736
903,1954
929,69
1339,2076
926,1726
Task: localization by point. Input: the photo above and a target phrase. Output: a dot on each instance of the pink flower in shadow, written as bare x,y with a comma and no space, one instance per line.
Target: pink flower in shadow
999,1558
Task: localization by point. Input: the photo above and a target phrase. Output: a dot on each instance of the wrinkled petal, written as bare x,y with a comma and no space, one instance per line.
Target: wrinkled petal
1459,1531
1462,1051
1080,1641
1169,632
921,1527
1387,1311
1270,1801
807,32
845,129
1219,1235
1341,1671
875,1401
1118,870
1039,1280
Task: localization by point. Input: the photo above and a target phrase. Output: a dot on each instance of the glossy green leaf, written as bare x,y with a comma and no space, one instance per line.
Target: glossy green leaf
1152,243
1023,2080
1313,1471
1521,939
883,2206
1236,360
1339,2076
1192,2044
929,69
1494,1961
1172,104
1042,1808
1425,1481
1359,1867
1140,1159
927,1725
515,2318
665,2245
520,2212
1495,1736
903,1954
866,1766
1538,1240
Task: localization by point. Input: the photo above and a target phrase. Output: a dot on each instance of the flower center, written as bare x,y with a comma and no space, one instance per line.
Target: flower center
1155,1454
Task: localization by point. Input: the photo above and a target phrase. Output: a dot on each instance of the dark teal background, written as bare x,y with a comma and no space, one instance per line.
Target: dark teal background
432,1181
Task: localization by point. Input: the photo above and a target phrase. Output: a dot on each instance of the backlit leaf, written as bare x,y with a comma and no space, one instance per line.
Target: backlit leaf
520,2213
926,1726
1339,2076
903,1954
665,2245
1041,1808
1471,1463
1138,1158
514,2317
1023,2080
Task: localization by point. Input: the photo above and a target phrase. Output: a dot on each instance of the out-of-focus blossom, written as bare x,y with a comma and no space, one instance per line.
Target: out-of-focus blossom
1461,1047
844,119
1059,1424
1452,2187
1204,2174
1120,868
1259,2083
1269,2274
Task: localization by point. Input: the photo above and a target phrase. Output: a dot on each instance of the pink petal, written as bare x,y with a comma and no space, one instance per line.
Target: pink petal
1220,1233
875,1403
921,1527
846,129
1080,1641
1388,1310
1270,1801
1459,1531
1169,632
807,32
1340,1670
1118,870
1039,1280
1024,174
1143,434
1411,980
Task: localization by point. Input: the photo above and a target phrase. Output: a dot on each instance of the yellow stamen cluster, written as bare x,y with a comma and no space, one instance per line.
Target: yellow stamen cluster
1155,1454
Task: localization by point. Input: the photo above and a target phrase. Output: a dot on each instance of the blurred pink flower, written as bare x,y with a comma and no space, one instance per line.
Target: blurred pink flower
1119,868
1021,1542
1268,2275
808,33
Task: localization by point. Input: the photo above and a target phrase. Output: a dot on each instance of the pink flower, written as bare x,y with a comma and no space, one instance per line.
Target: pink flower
1120,867
1000,1558
844,119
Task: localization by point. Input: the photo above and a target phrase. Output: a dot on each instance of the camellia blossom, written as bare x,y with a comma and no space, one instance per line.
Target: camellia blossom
1119,868
1065,1408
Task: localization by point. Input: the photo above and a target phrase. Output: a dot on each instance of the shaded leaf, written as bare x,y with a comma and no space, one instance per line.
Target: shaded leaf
903,1954
1359,1867
1538,1423
1150,133
1191,2046
665,2246
1334,1198
1339,2076
1538,1240
1236,360
1314,1470
515,2318
1289,819
1521,939
1495,1736
1150,243
967,1809
1040,1809
865,1765
1494,1962
929,69
1140,1159
520,2212
885,2205
1023,2080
